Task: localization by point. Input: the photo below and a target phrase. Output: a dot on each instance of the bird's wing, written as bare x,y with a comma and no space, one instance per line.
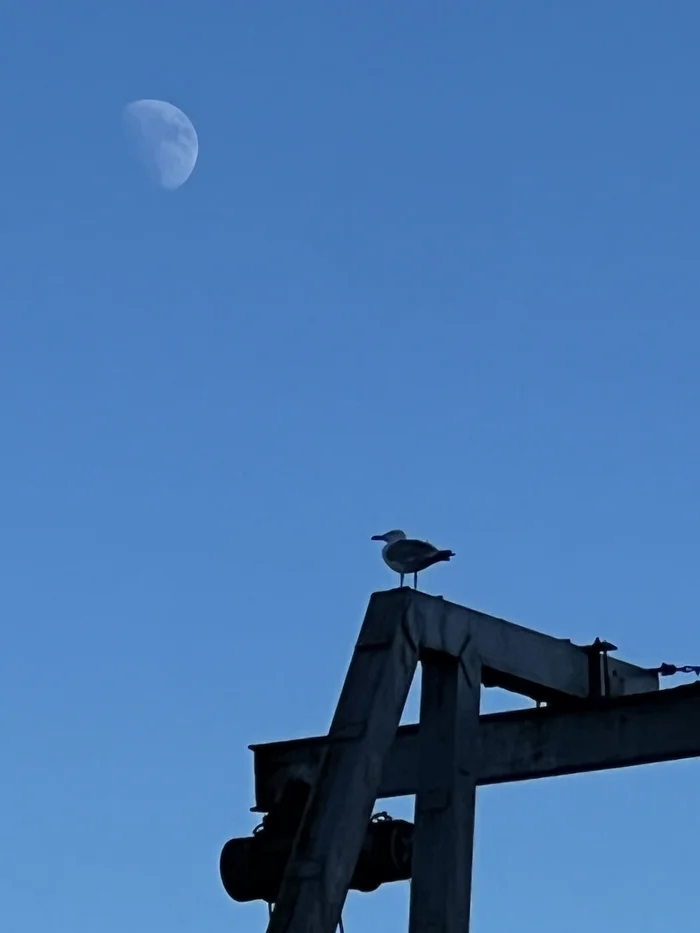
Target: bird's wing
408,550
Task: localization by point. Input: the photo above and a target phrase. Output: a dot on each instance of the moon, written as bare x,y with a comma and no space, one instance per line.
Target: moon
163,139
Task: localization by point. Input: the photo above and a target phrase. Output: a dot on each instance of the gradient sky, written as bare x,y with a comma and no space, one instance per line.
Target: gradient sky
436,268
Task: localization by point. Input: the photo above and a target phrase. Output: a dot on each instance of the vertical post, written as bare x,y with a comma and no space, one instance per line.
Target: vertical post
336,819
445,802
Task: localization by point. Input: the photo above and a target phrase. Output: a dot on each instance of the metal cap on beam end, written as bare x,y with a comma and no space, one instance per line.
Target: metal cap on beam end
599,645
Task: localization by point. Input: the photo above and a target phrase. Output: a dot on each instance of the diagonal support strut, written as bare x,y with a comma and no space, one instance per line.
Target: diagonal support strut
333,827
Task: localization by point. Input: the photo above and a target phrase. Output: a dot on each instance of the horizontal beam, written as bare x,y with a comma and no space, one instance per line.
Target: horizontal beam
515,658
524,744
626,679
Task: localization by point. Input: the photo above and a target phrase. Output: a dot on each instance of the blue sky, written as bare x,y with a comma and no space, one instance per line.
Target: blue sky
436,268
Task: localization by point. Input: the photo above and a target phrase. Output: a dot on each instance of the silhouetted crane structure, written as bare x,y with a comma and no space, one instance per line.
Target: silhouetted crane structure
319,838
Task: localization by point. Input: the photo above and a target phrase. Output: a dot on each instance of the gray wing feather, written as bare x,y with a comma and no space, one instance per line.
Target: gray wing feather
409,550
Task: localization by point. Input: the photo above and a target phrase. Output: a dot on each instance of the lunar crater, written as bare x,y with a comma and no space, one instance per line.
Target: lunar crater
163,139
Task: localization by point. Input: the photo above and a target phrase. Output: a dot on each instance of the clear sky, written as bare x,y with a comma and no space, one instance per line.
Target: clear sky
436,268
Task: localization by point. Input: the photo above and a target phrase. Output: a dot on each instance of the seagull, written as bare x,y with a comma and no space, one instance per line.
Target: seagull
407,555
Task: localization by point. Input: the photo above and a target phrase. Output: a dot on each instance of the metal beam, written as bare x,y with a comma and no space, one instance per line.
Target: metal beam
443,843
626,678
514,658
333,827
525,744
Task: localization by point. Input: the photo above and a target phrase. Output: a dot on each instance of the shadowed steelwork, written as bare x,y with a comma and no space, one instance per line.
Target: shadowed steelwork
319,838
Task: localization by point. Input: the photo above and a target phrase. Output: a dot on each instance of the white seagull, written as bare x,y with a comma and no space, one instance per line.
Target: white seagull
408,555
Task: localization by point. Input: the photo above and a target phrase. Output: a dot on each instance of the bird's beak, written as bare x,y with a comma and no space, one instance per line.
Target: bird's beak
377,537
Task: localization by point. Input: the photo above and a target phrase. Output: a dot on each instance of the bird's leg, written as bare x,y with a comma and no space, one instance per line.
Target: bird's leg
415,581
401,584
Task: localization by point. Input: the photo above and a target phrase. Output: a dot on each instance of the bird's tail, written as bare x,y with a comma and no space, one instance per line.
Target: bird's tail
444,555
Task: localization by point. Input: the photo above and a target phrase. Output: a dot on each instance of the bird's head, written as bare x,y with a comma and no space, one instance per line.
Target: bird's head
390,537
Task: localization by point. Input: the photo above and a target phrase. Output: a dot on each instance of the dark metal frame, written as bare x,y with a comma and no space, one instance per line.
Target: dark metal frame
601,713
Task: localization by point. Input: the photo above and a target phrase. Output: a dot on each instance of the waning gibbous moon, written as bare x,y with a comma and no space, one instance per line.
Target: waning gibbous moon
163,139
